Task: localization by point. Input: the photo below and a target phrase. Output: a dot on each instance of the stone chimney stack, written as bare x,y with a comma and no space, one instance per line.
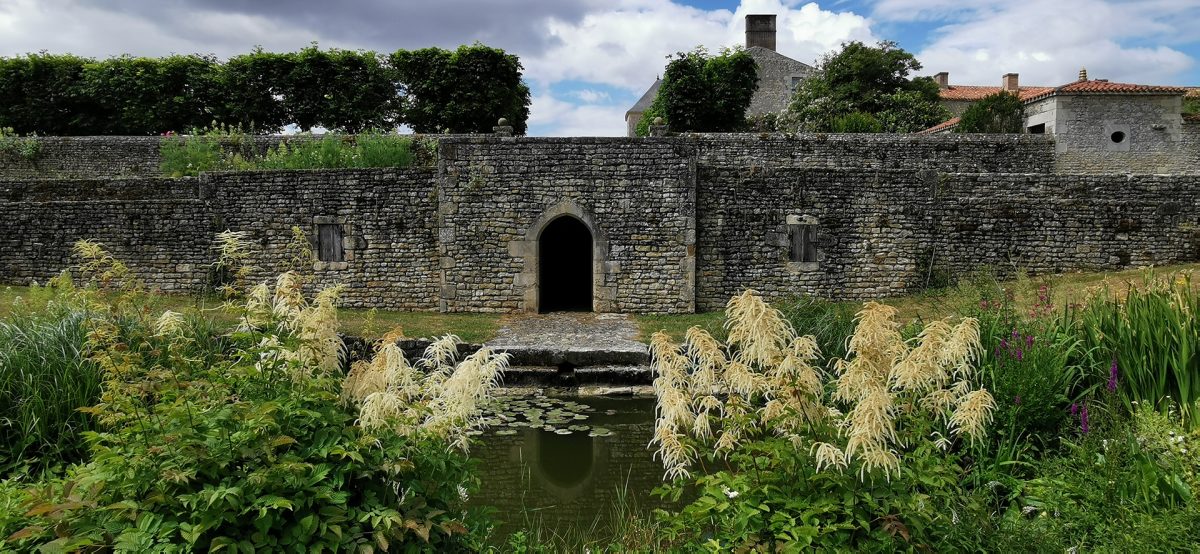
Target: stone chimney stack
1009,83
760,31
942,79
1083,74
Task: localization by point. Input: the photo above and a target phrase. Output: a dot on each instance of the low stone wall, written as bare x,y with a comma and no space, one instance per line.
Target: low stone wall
883,233
676,224
949,152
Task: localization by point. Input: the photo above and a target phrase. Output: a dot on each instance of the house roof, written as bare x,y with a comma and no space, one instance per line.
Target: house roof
1192,117
1192,92
761,54
644,102
943,126
1107,87
974,93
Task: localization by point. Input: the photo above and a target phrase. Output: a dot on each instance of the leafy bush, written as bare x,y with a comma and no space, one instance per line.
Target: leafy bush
16,147
782,467
706,93
857,122
1002,112
246,442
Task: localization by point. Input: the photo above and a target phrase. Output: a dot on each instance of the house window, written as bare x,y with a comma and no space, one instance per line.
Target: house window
803,240
1039,129
329,243
794,82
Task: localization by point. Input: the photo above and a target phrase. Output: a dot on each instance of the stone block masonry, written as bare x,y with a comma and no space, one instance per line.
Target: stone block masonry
676,224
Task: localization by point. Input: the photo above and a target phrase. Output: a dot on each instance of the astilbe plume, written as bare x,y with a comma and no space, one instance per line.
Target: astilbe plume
437,395
764,380
233,261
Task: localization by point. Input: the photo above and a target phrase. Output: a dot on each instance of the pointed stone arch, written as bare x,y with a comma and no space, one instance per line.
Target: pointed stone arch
603,293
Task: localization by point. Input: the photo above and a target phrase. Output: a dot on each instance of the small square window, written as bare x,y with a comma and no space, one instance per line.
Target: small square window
329,243
803,242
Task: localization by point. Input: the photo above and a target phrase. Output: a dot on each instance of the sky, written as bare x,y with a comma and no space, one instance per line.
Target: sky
588,61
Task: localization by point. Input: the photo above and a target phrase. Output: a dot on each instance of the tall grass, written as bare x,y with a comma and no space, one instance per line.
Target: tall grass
44,378
230,150
1147,345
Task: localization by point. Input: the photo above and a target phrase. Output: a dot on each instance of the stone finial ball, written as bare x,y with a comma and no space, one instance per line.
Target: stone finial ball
503,122
658,121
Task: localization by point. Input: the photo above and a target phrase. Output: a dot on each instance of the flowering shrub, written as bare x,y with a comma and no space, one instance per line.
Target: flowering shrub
245,441
786,456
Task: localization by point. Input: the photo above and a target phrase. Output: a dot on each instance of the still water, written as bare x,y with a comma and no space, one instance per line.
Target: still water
566,462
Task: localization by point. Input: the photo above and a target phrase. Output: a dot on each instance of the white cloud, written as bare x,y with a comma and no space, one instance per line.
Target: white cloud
550,116
627,44
589,96
1048,42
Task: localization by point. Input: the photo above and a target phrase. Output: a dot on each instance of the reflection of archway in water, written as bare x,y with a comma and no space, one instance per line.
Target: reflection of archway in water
565,466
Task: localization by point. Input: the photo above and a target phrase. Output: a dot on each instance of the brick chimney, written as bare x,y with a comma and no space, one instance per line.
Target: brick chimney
760,31
942,79
1009,83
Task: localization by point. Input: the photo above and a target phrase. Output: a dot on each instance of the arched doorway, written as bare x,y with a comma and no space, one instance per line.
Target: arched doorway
565,266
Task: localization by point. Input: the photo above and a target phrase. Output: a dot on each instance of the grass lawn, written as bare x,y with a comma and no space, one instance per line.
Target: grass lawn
1065,289
368,324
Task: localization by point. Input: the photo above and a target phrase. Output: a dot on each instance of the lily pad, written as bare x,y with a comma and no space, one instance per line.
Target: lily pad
600,432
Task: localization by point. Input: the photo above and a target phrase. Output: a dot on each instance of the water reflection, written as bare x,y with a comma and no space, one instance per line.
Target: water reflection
561,476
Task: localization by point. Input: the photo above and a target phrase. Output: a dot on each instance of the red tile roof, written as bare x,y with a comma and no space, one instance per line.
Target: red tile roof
1108,87
1192,92
973,93
1192,117
943,126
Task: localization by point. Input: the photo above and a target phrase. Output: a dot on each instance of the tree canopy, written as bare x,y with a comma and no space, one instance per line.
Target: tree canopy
871,80
705,93
1001,112
464,91
343,90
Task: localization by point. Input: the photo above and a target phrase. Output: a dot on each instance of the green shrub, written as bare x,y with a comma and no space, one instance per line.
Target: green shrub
14,146
857,122
45,378
246,440
1002,112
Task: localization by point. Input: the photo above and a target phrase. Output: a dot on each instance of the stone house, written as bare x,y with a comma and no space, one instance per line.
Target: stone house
778,75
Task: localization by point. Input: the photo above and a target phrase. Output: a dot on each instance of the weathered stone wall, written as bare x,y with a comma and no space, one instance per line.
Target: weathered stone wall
389,219
95,157
677,224
164,228
160,227
944,152
1118,134
635,195
884,233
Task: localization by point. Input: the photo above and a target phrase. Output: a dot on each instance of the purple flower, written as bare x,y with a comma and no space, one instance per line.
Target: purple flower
1074,409
1016,335
1112,376
1017,400
1083,419
1029,341
1020,354
1004,343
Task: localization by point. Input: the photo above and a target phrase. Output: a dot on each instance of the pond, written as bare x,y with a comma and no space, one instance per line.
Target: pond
566,463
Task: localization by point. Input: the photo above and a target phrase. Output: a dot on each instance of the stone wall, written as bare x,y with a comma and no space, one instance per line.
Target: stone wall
944,152
677,224
636,196
92,157
884,233
160,227
778,75
164,228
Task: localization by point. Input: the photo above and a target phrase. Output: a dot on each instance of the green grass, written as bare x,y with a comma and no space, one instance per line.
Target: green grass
369,324
1065,288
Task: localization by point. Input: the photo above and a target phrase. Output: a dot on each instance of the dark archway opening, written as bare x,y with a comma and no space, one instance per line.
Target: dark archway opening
565,267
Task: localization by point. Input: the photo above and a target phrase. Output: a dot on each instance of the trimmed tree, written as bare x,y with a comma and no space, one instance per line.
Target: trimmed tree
705,93
1001,112
461,91
866,79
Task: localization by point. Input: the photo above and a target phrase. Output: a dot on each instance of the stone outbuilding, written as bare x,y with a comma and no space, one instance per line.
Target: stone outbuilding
778,75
